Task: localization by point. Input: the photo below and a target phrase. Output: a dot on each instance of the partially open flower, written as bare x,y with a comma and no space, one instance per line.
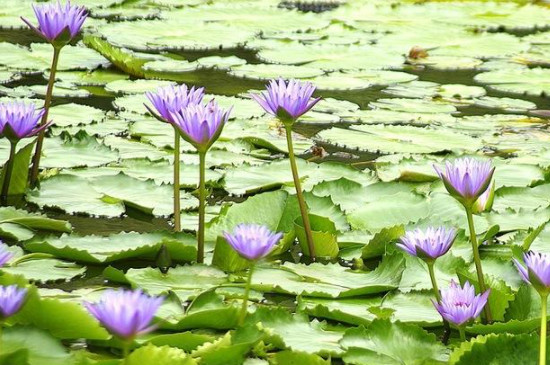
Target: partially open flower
466,179
485,202
172,99
252,241
19,120
12,299
460,305
287,100
5,254
428,244
201,124
125,313
58,23
536,270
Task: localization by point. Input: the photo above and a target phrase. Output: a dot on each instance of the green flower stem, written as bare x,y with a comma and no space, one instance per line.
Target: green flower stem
437,295
47,102
299,194
177,209
462,333
543,319
477,261
7,174
126,351
202,204
244,308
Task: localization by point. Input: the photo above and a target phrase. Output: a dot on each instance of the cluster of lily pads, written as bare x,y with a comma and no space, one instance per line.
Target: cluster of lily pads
249,206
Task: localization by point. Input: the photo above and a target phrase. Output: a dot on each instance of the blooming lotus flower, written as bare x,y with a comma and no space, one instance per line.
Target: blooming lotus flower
12,299
19,120
201,124
460,305
58,23
466,179
536,270
252,241
287,100
125,313
428,244
172,99
5,255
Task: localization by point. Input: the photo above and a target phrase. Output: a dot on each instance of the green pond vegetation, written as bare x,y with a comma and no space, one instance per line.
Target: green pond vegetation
405,85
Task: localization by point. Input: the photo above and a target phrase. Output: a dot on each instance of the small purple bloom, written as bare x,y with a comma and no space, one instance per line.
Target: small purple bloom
536,271
201,124
287,100
12,299
252,241
5,255
173,99
55,18
466,178
461,304
125,313
428,244
19,120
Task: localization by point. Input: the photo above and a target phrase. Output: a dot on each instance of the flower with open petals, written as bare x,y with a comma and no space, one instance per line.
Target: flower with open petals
252,241
536,270
19,120
58,23
12,299
172,99
5,254
125,313
466,178
460,305
287,100
428,244
201,124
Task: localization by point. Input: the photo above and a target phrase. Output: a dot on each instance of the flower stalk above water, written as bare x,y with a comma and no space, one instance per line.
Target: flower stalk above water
126,314
17,121
58,24
168,100
467,179
537,272
201,126
288,101
252,242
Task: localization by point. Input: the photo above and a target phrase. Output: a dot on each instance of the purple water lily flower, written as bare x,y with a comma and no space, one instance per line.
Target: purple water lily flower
287,100
461,304
172,99
125,313
428,244
58,23
536,270
19,120
466,178
252,241
201,124
12,299
5,255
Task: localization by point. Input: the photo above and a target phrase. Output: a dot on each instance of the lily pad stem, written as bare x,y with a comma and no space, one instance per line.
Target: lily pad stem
202,205
299,194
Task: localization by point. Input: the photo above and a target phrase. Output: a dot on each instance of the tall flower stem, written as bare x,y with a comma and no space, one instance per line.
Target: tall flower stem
244,307
437,295
7,174
47,103
202,205
477,261
126,351
543,319
462,333
177,209
299,194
